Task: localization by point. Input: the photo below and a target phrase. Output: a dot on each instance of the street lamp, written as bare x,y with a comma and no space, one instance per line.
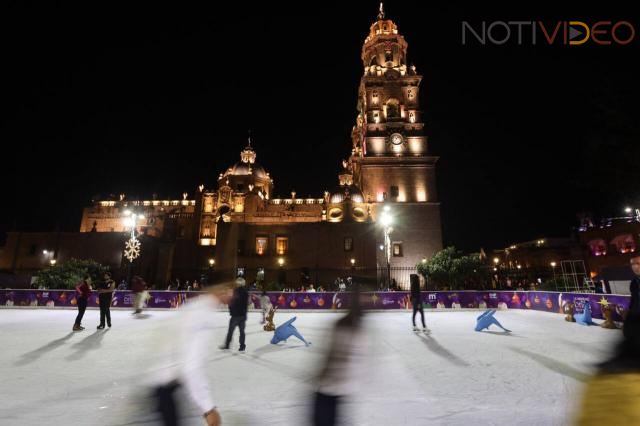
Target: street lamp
53,262
353,262
553,267
212,262
496,260
280,261
386,219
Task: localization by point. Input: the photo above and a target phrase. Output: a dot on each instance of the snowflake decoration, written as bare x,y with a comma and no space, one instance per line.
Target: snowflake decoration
132,249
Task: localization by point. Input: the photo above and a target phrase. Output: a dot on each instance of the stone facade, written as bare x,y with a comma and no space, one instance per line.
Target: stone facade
237,224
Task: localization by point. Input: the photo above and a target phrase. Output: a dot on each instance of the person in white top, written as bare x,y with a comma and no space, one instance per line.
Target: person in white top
183,362
311,289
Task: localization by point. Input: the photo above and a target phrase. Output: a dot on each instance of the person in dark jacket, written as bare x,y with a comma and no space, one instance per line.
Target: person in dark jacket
105,294
416,301
238,309
84,291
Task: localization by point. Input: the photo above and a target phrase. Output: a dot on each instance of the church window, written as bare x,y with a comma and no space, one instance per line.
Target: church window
261,245
348,243
282,245
388,56
394,192
397,249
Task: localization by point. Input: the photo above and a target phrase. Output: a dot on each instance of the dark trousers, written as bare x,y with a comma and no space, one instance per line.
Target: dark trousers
105,307
417,307
325,410
82,306
165,396
233,323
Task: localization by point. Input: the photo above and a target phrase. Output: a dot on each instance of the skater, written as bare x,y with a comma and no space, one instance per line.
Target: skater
105,294
417,302
265,305
138,288
342,367
84,291
238,309
183,362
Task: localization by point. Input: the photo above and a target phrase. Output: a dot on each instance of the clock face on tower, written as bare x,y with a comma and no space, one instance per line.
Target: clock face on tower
396,139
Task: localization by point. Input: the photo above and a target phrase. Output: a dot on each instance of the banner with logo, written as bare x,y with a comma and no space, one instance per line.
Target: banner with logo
443,300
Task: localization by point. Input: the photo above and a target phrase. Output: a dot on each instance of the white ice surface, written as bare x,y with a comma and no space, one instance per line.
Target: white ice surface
49,375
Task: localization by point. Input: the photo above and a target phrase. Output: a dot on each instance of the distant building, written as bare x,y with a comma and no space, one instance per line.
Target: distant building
237,226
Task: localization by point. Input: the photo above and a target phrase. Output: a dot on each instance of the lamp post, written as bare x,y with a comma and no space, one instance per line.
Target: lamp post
553,267
386,219
212,263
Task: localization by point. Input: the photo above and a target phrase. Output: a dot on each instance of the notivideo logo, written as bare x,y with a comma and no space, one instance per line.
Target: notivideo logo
567,33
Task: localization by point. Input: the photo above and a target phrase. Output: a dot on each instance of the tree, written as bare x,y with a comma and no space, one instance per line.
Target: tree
449,267
67,274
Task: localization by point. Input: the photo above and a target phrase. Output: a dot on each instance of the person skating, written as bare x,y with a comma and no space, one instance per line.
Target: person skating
416,301
611,395
84,291
105,294
265,305
343,367
139,289
184,356
238,309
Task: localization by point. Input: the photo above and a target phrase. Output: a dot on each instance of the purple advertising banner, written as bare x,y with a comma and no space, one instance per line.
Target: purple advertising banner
534,300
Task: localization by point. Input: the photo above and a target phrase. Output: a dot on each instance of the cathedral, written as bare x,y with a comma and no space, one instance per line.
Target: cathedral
236,227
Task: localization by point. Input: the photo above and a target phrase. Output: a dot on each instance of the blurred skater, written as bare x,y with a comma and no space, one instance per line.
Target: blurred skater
105,294
346,353
238,309
265,305
184,358
139,290
612,395
84,291
416,301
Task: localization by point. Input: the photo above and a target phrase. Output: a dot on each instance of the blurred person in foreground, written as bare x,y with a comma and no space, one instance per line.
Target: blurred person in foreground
612,396
344,362
139,290
184,358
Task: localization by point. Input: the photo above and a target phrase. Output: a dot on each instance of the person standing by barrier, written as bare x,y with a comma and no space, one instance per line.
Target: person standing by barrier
105,295
84,291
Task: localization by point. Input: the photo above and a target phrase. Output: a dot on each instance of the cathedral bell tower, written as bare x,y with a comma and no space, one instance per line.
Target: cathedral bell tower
390,154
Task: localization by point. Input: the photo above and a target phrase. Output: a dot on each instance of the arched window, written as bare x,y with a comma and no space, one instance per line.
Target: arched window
393,109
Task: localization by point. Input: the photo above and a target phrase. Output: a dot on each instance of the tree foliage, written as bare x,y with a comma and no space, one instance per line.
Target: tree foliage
68,274
451,268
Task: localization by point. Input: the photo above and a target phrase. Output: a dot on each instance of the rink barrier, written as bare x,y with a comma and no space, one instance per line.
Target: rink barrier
327,301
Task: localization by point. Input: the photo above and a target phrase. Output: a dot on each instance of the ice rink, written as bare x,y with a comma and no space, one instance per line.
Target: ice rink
50,375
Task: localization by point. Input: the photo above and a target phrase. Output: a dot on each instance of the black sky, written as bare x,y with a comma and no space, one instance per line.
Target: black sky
104,98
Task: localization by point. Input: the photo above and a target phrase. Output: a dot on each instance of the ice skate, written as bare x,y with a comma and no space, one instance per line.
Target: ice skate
242,349
78,328
415,328
426,330
100,327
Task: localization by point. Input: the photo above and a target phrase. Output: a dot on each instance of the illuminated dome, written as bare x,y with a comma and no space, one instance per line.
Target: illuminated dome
247,165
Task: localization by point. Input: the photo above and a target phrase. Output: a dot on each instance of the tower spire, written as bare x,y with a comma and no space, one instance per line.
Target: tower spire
249,139
381,12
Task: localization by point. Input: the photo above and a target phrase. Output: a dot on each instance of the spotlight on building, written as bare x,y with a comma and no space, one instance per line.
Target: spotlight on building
353,261
212,262
424,260
45,252
280,261
496,260
628,210
519,266
381,247
52,262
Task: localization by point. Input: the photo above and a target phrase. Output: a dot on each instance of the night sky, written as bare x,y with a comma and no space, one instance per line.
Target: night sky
108,98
